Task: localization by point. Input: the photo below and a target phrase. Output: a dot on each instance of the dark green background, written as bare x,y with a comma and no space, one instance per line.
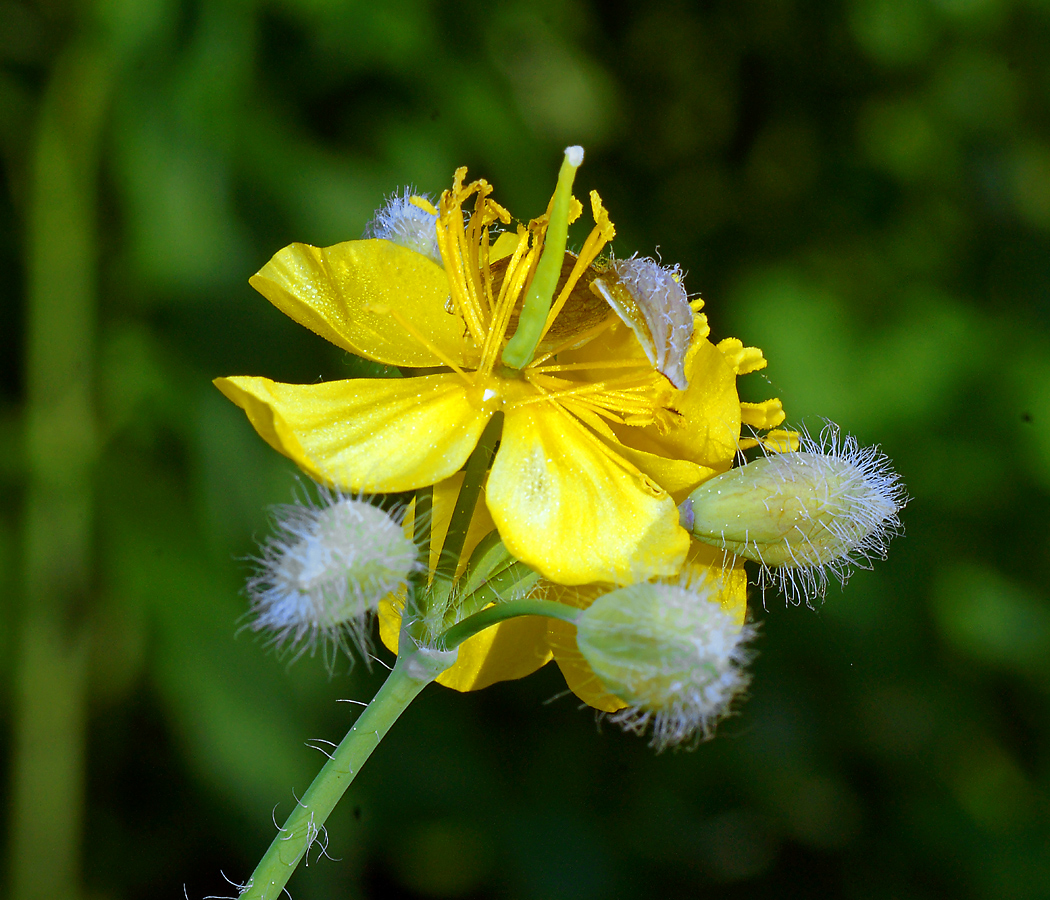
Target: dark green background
860,188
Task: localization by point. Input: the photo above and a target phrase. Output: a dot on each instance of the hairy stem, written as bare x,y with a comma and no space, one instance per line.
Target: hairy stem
412,672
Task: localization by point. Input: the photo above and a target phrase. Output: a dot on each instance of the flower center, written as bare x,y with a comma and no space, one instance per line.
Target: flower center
526,284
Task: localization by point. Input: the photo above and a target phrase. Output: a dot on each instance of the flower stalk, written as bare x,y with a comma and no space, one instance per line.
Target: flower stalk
414,670
501,612
473,480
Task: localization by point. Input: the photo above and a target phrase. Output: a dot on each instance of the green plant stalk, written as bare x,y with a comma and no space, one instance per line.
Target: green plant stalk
493,615
412,672
473,478
430,618
51,661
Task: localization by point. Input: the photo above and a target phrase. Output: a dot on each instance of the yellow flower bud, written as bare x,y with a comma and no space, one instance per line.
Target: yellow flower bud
671,652
323,573
829,507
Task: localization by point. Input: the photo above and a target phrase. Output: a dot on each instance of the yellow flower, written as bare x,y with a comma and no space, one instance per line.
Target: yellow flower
595,438
518,647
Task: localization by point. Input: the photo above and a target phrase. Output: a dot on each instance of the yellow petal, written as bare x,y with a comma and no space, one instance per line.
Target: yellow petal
344,292
708,424
365,434
679,477
569,507
510,650
728,569
389,614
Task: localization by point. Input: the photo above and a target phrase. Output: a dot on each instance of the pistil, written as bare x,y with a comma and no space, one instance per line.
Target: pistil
521,348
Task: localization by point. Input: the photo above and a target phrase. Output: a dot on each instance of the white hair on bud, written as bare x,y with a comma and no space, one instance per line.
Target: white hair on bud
407,224
321,574
863,527
671,652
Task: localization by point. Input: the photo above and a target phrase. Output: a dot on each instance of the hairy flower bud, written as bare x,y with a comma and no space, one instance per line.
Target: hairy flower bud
829,507
324,572
671,652
409,221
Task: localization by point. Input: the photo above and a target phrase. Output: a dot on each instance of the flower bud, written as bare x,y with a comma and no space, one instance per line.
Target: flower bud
409,221
671,652
324,572
826,508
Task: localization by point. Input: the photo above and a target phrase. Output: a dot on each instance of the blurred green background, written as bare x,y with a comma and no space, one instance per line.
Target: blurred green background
861,188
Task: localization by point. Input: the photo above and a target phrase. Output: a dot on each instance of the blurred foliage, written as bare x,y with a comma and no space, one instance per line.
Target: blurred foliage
861,188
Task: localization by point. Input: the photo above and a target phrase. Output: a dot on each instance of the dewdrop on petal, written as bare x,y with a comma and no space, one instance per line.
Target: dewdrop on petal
827,508
323,573
410,221
671,652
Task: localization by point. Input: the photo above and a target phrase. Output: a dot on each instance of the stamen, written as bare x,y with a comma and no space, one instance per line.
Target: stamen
598,394
598,364
532,323
452,245
510,290
600,235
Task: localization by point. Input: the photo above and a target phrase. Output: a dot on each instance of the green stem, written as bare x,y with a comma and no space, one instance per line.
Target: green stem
473,478
504,584
412,672
469,627
49,702
422,527
423,517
